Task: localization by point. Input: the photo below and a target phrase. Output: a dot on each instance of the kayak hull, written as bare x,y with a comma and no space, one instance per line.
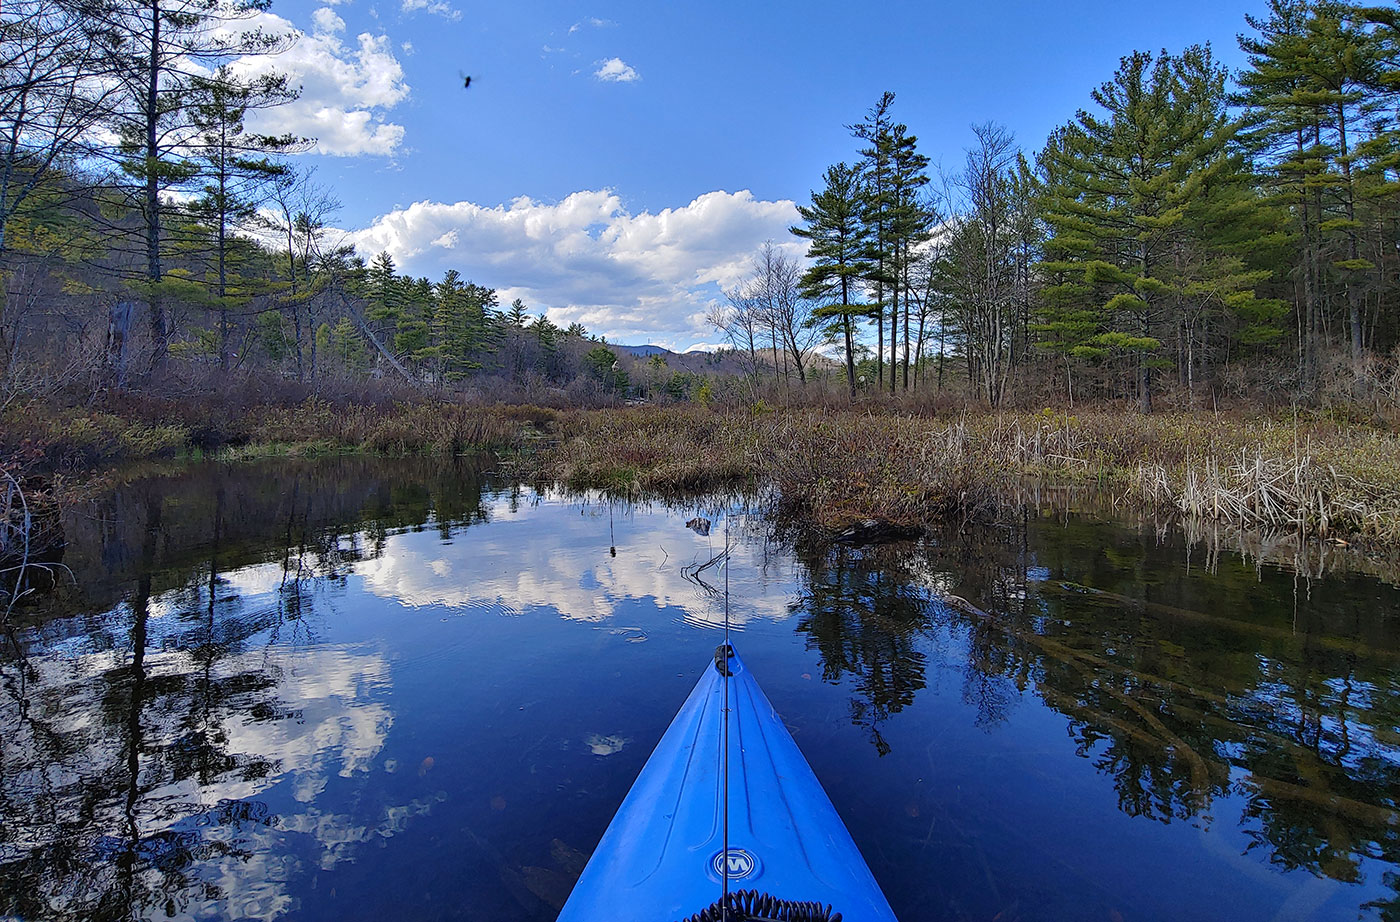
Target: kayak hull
661,858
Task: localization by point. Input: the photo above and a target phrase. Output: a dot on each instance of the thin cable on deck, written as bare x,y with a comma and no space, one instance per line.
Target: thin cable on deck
724,860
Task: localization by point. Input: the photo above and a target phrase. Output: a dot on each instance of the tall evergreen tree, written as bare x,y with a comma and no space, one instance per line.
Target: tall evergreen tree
910,221
875,169
464,324
155,50
1282,127
1343,63
1126,179
235,166
1068,320
837,250
1315,79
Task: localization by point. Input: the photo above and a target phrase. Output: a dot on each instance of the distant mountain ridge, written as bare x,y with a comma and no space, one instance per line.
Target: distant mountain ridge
696,361
647,351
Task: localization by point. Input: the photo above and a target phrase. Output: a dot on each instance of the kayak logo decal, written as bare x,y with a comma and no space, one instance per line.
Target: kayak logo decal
739,863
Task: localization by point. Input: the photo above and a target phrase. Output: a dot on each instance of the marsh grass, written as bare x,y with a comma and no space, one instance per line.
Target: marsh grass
837,468
68,439
833,467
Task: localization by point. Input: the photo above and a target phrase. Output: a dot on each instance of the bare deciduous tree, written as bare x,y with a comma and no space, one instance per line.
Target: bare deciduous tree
302,207
981,261
775,285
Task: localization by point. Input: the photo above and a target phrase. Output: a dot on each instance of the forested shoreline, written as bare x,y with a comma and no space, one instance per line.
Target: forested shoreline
1190,231
1192,239
1191,235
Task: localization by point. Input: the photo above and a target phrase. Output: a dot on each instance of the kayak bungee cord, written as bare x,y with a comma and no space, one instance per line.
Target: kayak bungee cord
752,906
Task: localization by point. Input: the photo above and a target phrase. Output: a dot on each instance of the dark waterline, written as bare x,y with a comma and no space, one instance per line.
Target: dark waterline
369,689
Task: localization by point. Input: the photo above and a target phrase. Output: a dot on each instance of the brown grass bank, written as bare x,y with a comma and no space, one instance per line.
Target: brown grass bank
835,468
65,440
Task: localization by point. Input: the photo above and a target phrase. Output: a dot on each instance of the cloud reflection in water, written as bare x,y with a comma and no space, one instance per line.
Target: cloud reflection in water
533,557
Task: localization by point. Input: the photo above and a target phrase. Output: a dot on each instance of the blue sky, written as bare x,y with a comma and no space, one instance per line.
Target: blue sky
617,163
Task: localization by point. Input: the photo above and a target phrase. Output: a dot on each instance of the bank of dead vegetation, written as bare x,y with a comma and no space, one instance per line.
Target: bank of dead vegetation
1315,475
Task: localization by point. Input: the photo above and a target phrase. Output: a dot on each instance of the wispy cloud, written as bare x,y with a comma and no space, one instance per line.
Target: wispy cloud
614,70
591,22
436,7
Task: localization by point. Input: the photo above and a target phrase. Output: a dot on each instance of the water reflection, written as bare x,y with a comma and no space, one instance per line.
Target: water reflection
865,619
344,688
137,743
537,558
1236,690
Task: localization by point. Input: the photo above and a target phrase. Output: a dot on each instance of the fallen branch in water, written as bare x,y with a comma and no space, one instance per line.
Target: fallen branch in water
1335,803
692,573
1173,744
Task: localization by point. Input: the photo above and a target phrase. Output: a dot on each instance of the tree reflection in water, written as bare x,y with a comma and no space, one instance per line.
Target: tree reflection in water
134,750
186,738
1235,682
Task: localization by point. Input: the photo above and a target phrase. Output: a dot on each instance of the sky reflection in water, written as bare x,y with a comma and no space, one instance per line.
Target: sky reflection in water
369,689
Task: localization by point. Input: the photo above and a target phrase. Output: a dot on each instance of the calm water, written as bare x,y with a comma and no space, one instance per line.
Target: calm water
360,689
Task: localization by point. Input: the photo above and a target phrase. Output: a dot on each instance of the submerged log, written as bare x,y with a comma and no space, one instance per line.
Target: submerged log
876,531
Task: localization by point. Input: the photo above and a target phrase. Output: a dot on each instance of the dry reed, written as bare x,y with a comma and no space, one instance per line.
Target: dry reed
836,467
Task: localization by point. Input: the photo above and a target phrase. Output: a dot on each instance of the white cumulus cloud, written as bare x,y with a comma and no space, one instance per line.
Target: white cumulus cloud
614,70
346,89
646,277
326,21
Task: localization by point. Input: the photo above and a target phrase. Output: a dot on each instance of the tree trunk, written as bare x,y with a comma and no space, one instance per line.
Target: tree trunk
894,334
1145,370
879,342
906,321
222,243
153,268
1353,254
850,336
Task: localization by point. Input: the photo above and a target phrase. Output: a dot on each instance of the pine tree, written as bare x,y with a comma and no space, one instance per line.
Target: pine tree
517,314
875,214
413,340
1125,180
155,51
1342,59
910,220
1282,122
384,293
347,346
837,248
465,324
1315,71
234,165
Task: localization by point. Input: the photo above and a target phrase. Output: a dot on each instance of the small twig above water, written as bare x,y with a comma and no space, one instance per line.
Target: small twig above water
13,492
692,573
